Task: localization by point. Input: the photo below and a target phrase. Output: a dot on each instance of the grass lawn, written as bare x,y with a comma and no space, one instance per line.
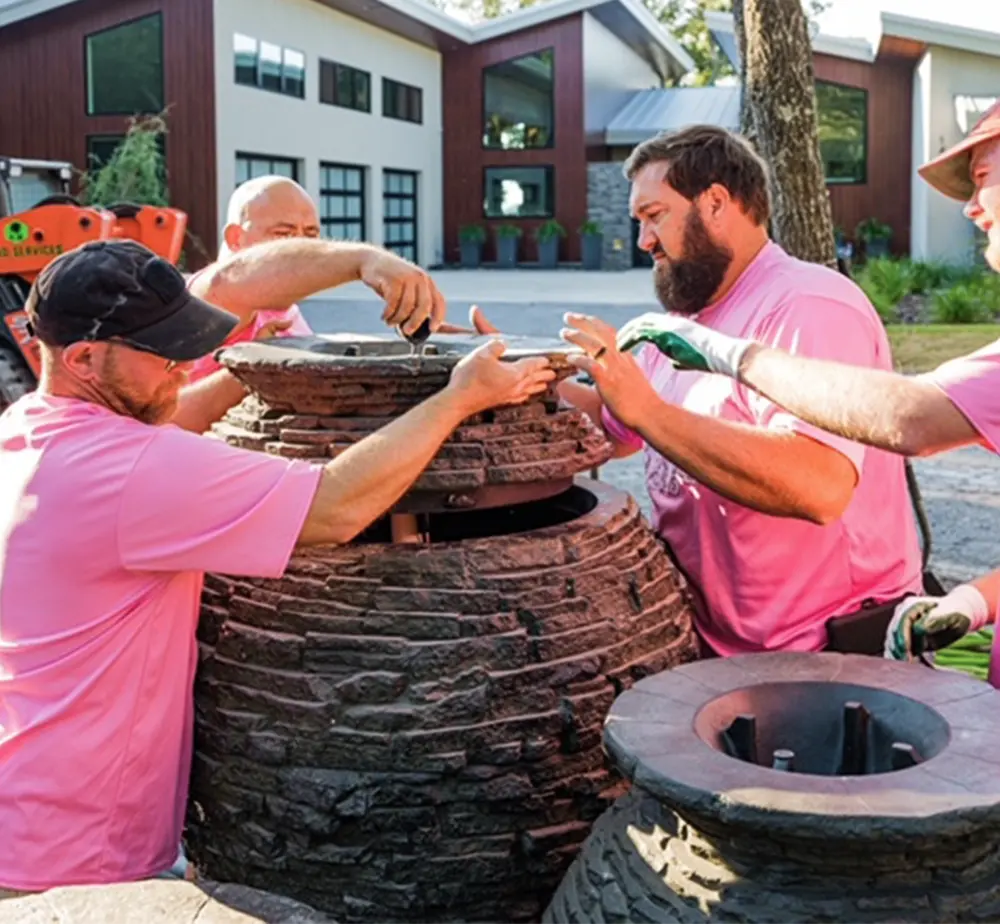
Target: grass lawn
920,347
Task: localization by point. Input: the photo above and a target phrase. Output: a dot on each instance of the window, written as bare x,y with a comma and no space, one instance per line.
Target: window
518,103
249,166
124,68
340,85
269,66
401,101
342,201
399,204
518,192
842,112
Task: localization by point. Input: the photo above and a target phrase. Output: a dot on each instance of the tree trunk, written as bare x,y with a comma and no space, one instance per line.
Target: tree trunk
780,94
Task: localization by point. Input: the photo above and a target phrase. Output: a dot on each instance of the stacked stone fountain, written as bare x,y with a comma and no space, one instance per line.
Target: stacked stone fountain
412,730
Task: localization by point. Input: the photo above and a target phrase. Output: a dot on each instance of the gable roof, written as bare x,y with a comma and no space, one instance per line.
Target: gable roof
424,23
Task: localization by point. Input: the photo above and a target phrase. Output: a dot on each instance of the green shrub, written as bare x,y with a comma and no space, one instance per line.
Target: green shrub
135,172
886,282
975,300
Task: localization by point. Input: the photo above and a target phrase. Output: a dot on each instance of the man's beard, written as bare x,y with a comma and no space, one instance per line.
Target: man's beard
686,285
152,409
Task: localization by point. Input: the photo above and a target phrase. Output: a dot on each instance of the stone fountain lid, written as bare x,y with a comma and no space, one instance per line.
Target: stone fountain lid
312,397
347,355
656,732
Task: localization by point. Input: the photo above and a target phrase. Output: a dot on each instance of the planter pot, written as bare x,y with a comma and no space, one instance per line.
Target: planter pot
507,251
877,248
592,246
548,253
471,252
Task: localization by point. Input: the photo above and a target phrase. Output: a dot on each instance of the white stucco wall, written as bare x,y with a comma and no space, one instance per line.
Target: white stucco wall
257,121
940,231
612,73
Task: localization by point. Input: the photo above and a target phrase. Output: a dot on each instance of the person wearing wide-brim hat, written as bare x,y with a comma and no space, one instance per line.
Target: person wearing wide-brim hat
957,404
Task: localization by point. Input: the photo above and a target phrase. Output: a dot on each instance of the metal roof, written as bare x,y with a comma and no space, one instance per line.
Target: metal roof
653,111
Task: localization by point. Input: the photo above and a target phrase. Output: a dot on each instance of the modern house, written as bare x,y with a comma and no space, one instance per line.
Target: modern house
404,123
408,125
886,106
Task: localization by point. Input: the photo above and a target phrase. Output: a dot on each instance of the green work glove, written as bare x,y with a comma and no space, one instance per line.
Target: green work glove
925,624
687,343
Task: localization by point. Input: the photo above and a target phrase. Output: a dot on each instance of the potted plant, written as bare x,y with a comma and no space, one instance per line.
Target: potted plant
591,244
876,237
507,240
470,245
548,235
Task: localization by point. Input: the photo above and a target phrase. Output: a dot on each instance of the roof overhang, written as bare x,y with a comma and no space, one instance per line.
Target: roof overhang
925,32
723,29
421,22
629,20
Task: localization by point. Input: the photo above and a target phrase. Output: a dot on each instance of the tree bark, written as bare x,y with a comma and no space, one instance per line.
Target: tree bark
779,90
746,114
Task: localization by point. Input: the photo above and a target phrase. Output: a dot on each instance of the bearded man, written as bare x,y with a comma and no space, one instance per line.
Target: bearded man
793,535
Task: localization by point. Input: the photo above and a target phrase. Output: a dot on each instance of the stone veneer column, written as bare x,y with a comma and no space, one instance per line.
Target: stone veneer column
607,204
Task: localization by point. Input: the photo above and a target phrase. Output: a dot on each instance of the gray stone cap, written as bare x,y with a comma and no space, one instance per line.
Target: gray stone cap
373,356
650,733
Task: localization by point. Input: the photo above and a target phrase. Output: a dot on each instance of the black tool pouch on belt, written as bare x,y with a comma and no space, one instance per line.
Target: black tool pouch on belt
861,632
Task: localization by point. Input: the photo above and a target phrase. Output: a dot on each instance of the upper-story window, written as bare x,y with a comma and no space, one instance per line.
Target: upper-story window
124,68
342,85
842,113
401,101
269,66
518,107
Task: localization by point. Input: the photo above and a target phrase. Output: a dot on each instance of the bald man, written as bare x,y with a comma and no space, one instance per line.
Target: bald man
272,256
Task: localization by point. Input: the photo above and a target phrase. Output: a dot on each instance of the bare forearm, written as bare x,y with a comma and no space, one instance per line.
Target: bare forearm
782,474
587,399
279,273
203,403
882,409
989,586
364,481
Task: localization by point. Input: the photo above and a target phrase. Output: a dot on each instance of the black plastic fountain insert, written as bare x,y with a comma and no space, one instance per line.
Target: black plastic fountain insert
829,729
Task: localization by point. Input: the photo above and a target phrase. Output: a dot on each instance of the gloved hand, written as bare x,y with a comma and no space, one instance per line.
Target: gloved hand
689,344
923,624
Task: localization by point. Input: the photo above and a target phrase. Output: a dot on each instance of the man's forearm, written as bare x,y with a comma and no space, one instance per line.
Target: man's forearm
586,398
779,473
871,406
203,403
364,481
279,273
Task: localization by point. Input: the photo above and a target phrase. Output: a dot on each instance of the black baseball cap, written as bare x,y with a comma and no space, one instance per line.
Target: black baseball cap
120,290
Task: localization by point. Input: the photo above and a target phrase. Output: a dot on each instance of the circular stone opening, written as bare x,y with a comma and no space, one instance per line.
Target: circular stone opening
825,729
493,521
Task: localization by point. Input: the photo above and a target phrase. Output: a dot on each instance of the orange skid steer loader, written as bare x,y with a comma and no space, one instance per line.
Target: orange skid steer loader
34,231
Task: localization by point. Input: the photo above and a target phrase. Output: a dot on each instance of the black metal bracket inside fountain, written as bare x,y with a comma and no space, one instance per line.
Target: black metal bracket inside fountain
857,754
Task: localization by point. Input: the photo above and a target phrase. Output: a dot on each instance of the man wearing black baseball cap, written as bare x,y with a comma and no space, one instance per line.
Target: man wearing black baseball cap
110,513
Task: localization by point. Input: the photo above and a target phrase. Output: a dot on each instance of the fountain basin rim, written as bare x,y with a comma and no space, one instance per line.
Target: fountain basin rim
650,733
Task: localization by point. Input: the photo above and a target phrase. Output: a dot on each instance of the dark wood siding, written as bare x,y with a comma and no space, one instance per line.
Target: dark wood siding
43,111
465,158
886,194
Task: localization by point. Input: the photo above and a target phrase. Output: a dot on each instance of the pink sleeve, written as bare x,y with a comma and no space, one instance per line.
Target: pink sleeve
821,328
972,383
194,503
615,428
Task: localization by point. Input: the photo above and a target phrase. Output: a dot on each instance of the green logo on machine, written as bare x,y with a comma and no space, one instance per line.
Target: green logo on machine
16,232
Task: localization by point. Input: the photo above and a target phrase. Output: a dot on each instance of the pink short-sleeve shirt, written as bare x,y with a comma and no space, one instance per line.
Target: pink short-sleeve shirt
972,383
770,583
107,526
299,327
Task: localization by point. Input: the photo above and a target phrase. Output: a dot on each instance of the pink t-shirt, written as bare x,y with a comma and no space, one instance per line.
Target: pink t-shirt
973,384
107,526
298,328
770,583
